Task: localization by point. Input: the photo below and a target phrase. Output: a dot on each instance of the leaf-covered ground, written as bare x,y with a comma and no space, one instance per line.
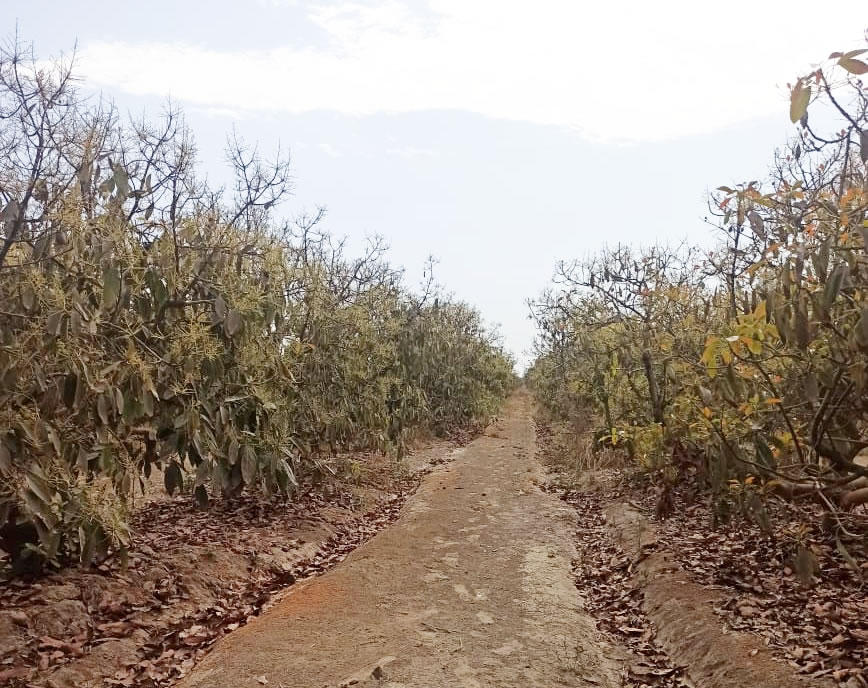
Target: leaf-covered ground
192,577
603,571
817,622
792,578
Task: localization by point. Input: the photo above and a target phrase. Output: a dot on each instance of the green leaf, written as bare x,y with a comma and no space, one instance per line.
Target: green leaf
28,298
158,288
38,507
763,451
861,332
200,494
218,477
833,284
122,183
753,345
232,454
87,543
40,488
111,287
5,460
233,323
757,224
41,246
800,97
248,464
173,478
54,323
802,325
853,66
285,475
104,408
220,308
812,388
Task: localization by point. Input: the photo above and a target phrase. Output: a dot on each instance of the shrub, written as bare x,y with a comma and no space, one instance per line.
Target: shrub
150,323
747,362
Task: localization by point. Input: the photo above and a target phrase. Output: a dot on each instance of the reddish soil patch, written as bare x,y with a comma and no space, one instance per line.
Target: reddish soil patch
319,598
192,577
469,588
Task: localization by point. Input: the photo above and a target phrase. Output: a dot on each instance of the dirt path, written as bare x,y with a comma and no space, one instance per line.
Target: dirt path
471,587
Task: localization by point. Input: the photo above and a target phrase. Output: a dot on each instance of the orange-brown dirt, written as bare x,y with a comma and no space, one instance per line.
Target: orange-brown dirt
192,576
472,586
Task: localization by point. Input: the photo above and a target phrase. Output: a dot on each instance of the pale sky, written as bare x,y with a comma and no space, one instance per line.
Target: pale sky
499,136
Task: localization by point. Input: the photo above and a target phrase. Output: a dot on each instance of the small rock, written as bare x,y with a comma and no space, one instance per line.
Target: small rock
372,671
19,617
747,611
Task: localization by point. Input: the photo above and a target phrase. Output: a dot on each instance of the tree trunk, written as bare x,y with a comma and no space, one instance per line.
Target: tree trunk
653,389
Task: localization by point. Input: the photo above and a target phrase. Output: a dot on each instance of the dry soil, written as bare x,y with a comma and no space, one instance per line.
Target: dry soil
471,587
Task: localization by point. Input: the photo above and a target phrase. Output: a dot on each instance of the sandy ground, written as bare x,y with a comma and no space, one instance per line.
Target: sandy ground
471,587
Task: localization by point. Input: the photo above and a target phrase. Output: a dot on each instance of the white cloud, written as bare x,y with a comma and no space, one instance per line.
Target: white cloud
413,152
329,150
278,4
216,112
615,71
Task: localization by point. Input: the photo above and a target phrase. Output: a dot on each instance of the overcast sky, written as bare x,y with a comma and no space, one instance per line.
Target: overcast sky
499,136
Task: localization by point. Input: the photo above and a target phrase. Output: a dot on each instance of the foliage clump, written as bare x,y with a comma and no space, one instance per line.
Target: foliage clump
745,367
149,322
